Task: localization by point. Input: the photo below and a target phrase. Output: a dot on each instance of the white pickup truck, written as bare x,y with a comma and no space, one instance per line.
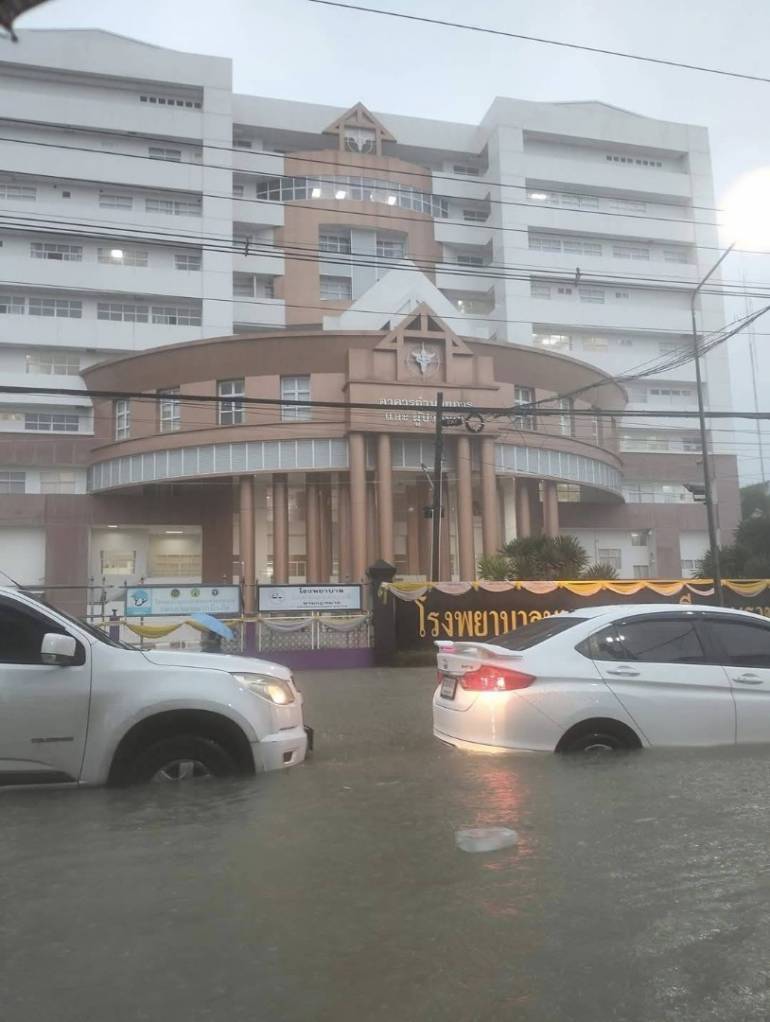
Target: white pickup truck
77,707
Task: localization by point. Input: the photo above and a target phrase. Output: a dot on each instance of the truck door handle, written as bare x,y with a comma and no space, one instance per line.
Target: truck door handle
623,672
748,679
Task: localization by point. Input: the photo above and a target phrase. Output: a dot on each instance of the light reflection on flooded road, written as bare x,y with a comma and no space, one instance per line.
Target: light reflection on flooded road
639,889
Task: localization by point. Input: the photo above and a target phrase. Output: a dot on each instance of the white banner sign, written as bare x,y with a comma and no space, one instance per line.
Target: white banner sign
299,597
171,601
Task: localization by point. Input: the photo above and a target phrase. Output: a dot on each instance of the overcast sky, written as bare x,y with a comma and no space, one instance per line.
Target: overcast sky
294,49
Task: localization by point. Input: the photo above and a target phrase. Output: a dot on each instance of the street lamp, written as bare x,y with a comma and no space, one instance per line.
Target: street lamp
707,491
747,215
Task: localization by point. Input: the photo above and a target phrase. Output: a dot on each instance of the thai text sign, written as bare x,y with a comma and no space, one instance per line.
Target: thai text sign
309,597
485,610
170,601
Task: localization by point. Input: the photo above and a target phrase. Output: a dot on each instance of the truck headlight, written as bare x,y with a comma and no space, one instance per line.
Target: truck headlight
274,689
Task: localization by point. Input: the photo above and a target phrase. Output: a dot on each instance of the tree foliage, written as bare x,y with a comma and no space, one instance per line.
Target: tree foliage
542,558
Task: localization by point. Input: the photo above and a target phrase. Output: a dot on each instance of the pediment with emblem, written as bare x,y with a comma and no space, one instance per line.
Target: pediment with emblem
359,131
425,349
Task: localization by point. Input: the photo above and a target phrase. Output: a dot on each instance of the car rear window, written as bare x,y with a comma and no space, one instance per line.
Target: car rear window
530,635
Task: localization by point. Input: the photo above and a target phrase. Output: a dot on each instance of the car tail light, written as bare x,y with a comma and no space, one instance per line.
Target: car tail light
495,679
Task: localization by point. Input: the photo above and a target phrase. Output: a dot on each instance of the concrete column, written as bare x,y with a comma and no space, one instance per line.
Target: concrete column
425,527
523,509
246,540
550,508
343,528
326,546
385,498
508,509
357,459
489,505
467,558
413,525
372,544
312,530
280,528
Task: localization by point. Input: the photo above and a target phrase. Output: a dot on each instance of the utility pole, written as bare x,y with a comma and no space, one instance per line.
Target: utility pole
437,489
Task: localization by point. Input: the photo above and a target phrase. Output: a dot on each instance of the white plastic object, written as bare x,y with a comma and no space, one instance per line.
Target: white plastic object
485,839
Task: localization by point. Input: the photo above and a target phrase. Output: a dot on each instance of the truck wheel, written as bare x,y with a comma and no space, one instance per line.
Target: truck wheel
181,758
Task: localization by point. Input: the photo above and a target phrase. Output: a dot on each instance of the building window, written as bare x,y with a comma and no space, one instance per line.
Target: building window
157,152
12,482
641,571
58,307
120,256
115,200
334,241
466,170
51,422
122,312
361,189
596,344
628,205
51,250
187,261
231,411
639,538
578,247
12,305
242,143
117,562
193,104
538,290
591,294
169,410
176,315
336,289
475,216
557,342
58,481
122,417
12,190
173,207
690,568
630,252
53,363
360,140
238,191
524,396
243,285
181,564
676,255
544,243
610,556
464,259
295,388
390,247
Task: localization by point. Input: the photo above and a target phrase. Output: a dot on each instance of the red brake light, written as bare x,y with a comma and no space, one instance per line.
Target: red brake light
495,679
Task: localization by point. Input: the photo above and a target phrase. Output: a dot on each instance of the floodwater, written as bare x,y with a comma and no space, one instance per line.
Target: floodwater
639,889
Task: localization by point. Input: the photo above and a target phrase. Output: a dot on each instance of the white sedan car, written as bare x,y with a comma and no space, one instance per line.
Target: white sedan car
621,677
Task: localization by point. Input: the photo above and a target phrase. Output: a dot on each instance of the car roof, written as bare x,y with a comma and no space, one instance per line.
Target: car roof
613,611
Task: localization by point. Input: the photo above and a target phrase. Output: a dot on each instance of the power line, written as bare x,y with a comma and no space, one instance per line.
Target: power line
515,410
483,181
550,42
299,205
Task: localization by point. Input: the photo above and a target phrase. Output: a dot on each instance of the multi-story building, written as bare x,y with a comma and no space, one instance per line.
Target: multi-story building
144,205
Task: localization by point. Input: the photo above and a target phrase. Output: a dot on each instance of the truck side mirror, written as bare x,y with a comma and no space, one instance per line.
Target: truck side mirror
57,649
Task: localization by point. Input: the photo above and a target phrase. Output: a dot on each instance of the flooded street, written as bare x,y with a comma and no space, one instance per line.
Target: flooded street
639,890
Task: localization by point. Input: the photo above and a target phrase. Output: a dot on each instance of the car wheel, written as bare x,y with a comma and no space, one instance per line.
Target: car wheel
596,741
181,758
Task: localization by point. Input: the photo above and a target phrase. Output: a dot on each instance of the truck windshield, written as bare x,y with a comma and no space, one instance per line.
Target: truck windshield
92,630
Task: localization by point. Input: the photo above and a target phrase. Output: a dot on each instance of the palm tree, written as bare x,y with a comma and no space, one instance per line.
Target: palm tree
536,557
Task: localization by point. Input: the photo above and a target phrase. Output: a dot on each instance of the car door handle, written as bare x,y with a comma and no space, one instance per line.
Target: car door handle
623,672
748,679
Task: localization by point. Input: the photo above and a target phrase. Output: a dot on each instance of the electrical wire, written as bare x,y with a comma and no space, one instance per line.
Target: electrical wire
442,23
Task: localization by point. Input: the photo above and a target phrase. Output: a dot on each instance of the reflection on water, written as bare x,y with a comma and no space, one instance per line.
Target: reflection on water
639,889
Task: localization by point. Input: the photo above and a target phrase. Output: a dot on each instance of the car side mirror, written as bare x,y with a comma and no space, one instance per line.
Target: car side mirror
59,650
